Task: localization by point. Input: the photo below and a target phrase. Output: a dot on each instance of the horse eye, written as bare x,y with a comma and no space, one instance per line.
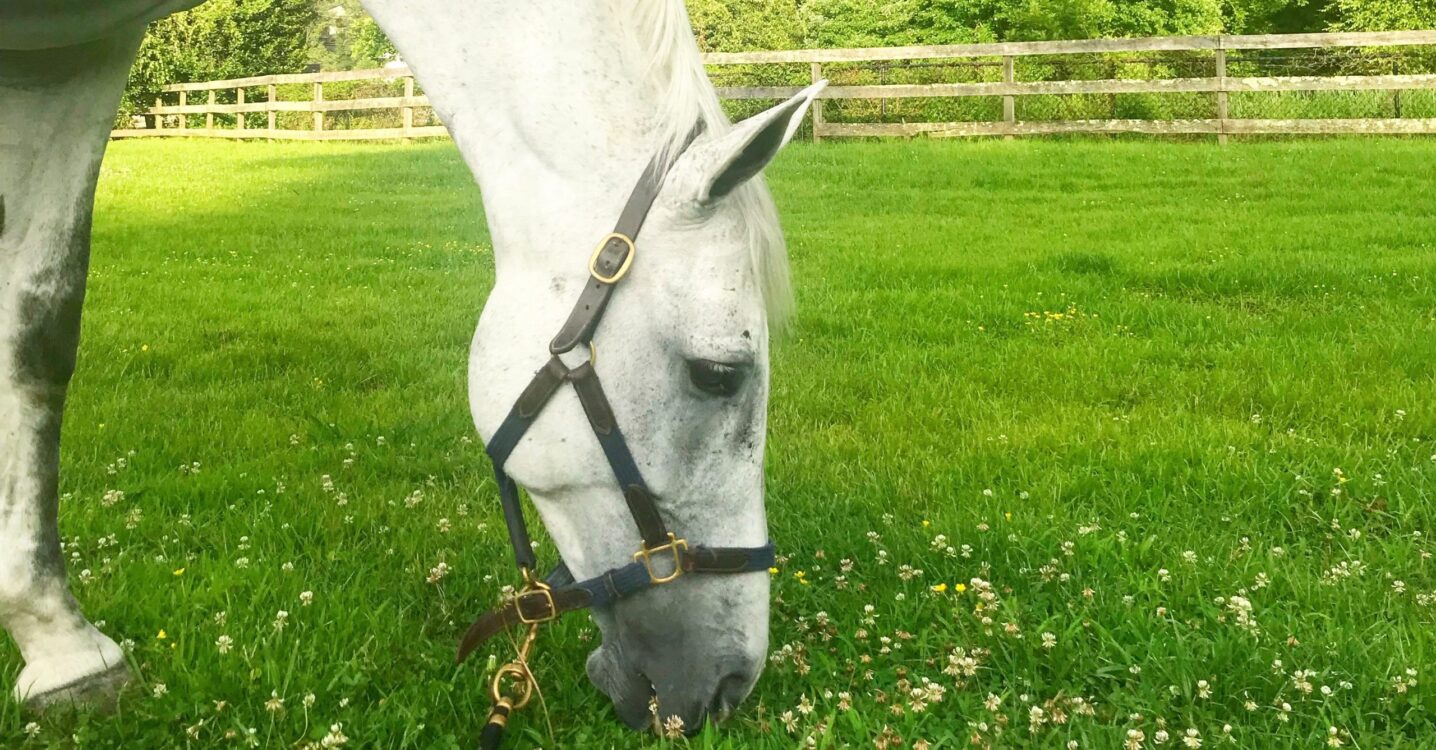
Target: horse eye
717,378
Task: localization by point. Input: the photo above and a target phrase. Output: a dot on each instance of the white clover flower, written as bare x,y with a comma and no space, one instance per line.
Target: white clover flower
335,738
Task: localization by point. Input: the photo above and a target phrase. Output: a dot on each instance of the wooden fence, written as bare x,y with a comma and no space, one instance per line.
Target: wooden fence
1213,49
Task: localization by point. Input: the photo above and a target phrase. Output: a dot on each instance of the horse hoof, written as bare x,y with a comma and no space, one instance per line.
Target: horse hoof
96,691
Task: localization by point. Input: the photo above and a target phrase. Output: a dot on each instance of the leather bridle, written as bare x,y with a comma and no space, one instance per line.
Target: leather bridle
541,601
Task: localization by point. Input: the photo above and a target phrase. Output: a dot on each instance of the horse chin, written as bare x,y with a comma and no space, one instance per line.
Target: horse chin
629,690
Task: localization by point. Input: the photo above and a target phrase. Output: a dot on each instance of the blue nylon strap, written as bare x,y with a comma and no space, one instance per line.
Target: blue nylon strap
514,517
507,437
525,410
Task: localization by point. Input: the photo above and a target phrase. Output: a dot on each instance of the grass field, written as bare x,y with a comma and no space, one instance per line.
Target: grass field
1094,443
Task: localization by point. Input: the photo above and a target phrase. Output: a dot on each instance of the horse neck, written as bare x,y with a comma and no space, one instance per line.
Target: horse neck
552,113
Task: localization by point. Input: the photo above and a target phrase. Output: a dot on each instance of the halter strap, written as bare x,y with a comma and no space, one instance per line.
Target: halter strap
663,556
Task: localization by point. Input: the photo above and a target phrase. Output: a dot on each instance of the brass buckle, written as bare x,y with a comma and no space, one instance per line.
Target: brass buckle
547,596
622,269
675,546
535,586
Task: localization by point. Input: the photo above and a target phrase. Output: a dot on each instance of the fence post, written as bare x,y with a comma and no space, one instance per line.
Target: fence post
209,112
269,110
159,118
817,72
239,122
408,111
318,115
1009,102
1396,95
1221,64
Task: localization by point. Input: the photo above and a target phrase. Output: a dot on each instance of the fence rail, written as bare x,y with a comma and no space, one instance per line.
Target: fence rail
167,119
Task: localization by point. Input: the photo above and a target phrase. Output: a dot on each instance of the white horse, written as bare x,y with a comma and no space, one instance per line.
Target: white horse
556,105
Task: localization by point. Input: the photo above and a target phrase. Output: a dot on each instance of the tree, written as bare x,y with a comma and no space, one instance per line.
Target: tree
219,39
343,36
1383,15
734,25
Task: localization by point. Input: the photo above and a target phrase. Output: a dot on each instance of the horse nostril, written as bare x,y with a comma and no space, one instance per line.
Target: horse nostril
732,689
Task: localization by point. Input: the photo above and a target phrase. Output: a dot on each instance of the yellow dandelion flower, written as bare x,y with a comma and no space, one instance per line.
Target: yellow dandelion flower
961,587
772,571
1008,515
926,523
145,348
179,572
161,635
941,587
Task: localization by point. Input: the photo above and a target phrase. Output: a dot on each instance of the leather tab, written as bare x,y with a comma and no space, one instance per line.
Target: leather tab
644,508
590,394
539,390
487,626
728,559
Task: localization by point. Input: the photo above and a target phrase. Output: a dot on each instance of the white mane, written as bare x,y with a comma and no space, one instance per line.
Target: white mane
663,38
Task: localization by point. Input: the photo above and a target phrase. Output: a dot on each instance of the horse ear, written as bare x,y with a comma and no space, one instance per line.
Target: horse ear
733,158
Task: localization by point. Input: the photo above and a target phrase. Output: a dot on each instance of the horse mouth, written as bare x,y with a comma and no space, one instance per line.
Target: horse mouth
631,692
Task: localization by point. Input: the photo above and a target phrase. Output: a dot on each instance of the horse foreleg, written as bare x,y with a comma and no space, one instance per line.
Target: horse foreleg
56,109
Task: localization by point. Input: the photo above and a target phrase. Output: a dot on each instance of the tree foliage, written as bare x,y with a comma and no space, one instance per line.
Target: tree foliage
1384,15
344,37
754,24
220,39
234,38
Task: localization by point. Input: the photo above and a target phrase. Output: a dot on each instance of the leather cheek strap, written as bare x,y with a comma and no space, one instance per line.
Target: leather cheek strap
584,317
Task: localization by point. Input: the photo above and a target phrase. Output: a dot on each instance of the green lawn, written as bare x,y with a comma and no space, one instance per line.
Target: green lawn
1137,437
